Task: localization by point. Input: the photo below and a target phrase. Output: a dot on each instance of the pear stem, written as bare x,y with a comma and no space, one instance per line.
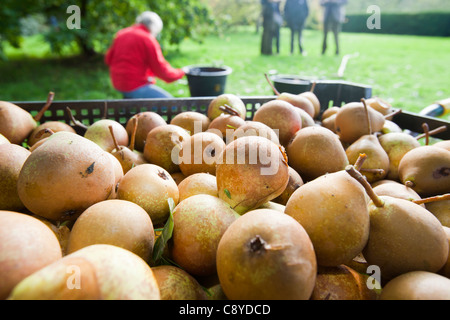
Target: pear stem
360,178
133,136
116,145
375,171
271,85
432,132
359,162
313,86
50,97
227,109
75,121
433,199
393,113
369,126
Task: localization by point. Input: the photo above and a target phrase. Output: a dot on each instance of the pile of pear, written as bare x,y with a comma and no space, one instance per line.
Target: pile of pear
286,203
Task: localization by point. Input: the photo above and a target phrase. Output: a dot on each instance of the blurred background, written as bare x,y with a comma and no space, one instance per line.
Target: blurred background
406,62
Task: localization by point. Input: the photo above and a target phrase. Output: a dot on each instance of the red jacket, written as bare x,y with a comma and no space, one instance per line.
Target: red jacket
134,56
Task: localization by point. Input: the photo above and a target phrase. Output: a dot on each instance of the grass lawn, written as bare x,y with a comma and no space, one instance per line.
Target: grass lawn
410,72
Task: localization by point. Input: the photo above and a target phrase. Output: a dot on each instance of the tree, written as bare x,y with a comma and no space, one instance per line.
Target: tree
100,20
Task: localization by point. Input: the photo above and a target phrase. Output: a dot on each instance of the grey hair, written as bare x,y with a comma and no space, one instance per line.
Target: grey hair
152,21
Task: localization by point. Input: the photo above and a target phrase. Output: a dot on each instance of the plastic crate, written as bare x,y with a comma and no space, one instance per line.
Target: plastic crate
90,111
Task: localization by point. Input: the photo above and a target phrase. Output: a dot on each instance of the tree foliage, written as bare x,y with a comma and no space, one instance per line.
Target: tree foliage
100,20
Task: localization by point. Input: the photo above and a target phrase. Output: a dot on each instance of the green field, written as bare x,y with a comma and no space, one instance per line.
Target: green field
408,71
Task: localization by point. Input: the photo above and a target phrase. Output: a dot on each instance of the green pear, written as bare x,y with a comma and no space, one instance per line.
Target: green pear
314,151
396,144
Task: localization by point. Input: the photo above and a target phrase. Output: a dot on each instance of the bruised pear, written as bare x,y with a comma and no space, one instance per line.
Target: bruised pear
404,236
252,170
64,176
12,158
426,169
96,272
117,222
266,255
26,245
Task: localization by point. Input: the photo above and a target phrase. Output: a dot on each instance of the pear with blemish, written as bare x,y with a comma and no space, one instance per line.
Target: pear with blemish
426,169
64,176
376,166
100,132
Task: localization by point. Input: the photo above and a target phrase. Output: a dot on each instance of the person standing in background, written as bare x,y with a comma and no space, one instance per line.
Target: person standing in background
135,59
334,16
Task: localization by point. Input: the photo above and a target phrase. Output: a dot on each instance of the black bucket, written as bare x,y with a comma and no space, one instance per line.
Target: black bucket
207,81
291,84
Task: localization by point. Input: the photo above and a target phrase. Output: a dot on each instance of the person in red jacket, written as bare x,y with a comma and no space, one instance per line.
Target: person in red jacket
135,59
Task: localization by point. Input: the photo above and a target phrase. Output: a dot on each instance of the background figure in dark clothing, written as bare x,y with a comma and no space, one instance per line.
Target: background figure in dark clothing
295,14
272,22
334,16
